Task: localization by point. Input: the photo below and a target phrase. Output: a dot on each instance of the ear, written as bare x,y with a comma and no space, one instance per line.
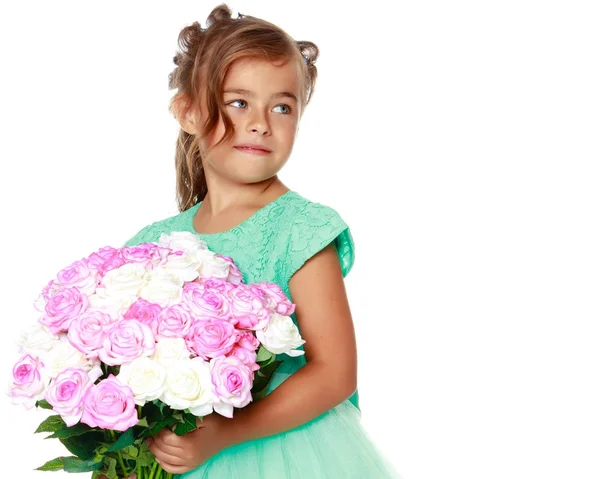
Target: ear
186,118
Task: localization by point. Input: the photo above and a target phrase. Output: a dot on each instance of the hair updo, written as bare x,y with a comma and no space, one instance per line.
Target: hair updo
202,61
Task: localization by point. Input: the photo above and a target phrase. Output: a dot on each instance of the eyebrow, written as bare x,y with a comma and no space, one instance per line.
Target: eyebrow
281,94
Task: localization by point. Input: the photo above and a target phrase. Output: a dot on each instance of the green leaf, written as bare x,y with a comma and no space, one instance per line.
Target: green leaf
102,448
112,469
264,354
125,439
161,406
177,416
76,430
187,424
70,464
55,464
42,403
159,426
263,379
152,412
85,446
74,464
142,423
146,458
130,452
51,424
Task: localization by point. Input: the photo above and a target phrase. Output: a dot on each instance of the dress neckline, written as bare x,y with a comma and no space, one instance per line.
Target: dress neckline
262,210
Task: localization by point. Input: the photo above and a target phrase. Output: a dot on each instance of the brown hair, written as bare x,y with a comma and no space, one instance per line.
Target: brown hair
203,59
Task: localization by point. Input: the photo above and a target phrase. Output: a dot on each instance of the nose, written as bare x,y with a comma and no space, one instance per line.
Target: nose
258,124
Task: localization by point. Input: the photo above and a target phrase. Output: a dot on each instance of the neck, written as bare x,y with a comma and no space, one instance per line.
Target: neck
222,197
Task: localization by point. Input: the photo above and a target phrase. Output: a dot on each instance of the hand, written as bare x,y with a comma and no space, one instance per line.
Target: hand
179,454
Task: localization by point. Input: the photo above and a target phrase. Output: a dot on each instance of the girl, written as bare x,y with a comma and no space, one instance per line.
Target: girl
242,87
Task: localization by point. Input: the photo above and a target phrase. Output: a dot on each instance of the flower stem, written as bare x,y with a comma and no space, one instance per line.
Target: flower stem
153,470
119,457
159,474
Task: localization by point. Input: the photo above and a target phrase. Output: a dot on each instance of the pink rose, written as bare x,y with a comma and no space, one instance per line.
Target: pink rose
247,339
109,405
64,308
145,312
79,275
235,275
211,338
191,291
248,308
47,292
277,299
88,331
28,381
246,356
105,259
66,392
216,284
174,321
126,340
207,304
233,382
148,254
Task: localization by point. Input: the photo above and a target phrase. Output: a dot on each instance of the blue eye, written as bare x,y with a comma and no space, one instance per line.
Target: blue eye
286,106
289,108
235,101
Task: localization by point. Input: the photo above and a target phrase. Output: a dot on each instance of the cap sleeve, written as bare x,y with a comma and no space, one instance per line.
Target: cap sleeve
313,230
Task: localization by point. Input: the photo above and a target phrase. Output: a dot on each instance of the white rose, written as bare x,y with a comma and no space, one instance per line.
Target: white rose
124,282
36,340
163,288
181,241
145,377
184,266
212,265
64,355
189,386
114,305
281,336
170,350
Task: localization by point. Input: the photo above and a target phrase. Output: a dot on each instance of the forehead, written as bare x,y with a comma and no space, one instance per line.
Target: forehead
260,75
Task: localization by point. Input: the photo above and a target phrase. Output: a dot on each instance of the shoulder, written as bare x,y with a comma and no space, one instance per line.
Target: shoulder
151,232
312,226
311,213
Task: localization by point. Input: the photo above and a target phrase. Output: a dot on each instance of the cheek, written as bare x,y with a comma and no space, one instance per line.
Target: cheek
214,138
288,133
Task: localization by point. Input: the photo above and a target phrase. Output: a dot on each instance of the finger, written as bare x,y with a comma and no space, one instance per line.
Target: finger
174,468
169,442
170,438
163,454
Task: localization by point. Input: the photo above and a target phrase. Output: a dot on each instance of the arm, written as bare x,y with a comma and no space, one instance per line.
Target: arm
330,375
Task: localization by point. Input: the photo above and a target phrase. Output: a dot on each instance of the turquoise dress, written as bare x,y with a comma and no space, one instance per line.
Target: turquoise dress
271,246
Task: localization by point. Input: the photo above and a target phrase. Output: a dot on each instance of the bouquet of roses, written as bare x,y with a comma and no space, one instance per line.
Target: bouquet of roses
131,340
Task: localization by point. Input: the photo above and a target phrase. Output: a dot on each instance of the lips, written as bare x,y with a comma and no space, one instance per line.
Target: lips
252,147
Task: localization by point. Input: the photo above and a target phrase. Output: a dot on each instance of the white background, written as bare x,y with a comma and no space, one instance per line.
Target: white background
459,140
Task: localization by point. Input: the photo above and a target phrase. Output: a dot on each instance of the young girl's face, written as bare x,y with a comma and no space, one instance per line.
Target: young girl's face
265,111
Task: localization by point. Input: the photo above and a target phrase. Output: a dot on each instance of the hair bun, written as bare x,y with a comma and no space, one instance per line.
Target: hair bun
219,14
309,51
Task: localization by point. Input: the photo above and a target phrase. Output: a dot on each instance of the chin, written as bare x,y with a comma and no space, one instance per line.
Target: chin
256,178
255,172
